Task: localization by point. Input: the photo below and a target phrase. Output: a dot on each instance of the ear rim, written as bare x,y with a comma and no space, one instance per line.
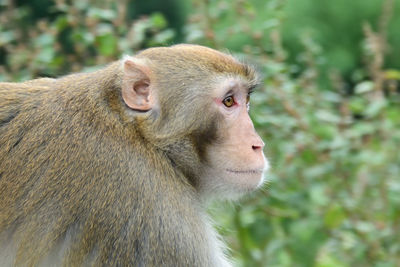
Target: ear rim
137,92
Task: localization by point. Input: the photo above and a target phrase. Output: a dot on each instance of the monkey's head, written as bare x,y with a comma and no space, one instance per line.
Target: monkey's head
192,103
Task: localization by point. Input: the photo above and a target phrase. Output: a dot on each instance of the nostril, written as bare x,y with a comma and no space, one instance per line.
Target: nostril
257,144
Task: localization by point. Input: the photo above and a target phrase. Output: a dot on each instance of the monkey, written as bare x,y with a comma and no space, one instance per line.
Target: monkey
116,167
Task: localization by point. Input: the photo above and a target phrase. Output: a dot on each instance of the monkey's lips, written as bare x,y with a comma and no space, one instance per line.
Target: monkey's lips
249,171
248,179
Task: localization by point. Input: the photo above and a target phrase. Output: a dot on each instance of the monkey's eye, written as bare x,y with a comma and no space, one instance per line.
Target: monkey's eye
247,99
228,101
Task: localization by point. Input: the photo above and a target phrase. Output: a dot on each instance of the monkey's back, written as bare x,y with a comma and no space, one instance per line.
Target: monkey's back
81,188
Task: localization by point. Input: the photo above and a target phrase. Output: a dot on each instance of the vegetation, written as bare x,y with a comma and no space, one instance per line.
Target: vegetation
328,110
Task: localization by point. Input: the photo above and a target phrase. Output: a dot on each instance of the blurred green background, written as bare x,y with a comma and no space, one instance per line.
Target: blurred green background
329,109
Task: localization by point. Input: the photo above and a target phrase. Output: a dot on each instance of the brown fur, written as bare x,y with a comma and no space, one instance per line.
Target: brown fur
117,188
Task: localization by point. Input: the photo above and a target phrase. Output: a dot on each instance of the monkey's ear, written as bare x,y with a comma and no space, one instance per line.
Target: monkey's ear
136,87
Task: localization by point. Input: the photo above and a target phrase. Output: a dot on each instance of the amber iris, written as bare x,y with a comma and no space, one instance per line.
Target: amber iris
228,101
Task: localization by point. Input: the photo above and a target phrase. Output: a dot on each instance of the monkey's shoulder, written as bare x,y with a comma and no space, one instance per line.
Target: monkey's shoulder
10,90
39,82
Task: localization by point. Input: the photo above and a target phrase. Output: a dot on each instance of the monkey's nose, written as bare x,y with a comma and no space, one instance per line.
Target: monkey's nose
256,147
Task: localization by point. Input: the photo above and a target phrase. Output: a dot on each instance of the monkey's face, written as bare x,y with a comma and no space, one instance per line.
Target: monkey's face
236,162
197,112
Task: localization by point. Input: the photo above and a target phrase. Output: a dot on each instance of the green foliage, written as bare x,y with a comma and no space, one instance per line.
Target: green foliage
71,37
337,27
333,196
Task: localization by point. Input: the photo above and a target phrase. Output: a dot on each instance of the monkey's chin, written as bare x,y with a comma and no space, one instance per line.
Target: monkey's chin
228,181
230,184
245,180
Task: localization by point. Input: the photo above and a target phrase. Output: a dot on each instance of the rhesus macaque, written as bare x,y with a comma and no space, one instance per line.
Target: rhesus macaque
115,167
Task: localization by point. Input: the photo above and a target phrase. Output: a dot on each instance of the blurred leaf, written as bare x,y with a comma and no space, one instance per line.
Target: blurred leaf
392,74
82,4
107,44
83,37
44,39
158,21
327,260
334,216
284,259
104,28
361,129
365,227
164,37
104,14
317,171
61,23
375,108
324,131
357,105
364,87
318,195
327,116
6,37
46,55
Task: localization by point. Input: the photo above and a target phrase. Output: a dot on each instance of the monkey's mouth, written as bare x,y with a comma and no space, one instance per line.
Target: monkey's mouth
251,171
